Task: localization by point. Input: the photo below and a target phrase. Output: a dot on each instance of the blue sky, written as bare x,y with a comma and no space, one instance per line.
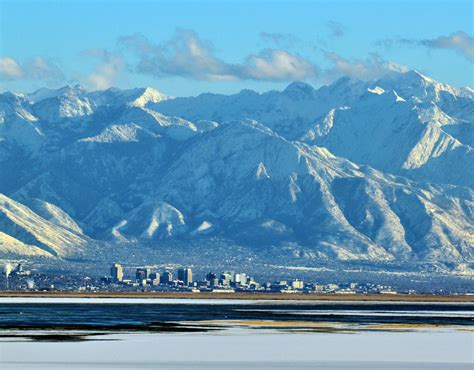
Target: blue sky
187,47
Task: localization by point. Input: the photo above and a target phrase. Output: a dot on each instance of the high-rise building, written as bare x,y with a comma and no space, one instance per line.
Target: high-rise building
240,279
297,284
143,274
185,275
166,277
155,278
116,271
225,279
212,279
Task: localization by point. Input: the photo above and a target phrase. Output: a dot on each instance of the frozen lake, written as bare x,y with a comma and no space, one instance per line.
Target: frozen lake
226,334
238,348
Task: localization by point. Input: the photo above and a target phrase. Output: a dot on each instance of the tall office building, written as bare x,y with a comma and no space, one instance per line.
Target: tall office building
225,279
297,284
155,278
143,274
185,275
166,277
240,279
212,279
116,271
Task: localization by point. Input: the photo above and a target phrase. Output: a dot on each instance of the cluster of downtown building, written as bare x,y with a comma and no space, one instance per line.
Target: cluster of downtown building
228,281
183,280
18,277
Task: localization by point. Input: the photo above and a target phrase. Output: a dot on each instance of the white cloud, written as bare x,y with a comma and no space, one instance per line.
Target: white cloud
107,71
37,68
459,41
10,69
278,65
187,55
369,68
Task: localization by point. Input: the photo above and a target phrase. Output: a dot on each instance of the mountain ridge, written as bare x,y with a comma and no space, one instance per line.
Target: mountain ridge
357,170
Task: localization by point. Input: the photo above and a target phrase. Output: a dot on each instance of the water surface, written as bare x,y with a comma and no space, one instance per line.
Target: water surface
226,334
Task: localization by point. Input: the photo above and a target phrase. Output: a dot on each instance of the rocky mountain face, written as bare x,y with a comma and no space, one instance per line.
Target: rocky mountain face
375,171
405,123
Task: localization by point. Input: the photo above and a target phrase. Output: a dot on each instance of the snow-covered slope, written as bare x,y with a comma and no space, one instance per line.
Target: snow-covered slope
150,221
264,188
378,171
176,128
22,230
68,102
283,112
404,123
397,137
140,97
53,214
18,126
12,246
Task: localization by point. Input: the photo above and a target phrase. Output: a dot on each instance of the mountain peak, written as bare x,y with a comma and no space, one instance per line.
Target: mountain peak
346,83
413,84
384,187
410,77
12,97
72,89
418,74
248,92
299,90
415,77
47,93
299,86
148,95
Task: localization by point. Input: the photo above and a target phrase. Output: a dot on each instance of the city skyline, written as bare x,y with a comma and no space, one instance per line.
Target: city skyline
221,184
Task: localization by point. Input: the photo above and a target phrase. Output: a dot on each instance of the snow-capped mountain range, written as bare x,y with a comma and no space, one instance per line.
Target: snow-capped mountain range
379,171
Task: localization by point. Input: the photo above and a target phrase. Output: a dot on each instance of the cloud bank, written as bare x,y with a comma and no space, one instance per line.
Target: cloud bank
369,68
10,69
108,69
459,42
37,68
187,55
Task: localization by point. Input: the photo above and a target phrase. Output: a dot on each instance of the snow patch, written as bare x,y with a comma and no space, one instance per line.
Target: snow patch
204,226
376,90
261,172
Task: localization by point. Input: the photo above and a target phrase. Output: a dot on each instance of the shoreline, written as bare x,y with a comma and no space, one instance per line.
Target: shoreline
247,296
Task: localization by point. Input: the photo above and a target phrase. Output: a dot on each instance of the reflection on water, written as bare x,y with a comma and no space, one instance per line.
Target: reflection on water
263,335
145,315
